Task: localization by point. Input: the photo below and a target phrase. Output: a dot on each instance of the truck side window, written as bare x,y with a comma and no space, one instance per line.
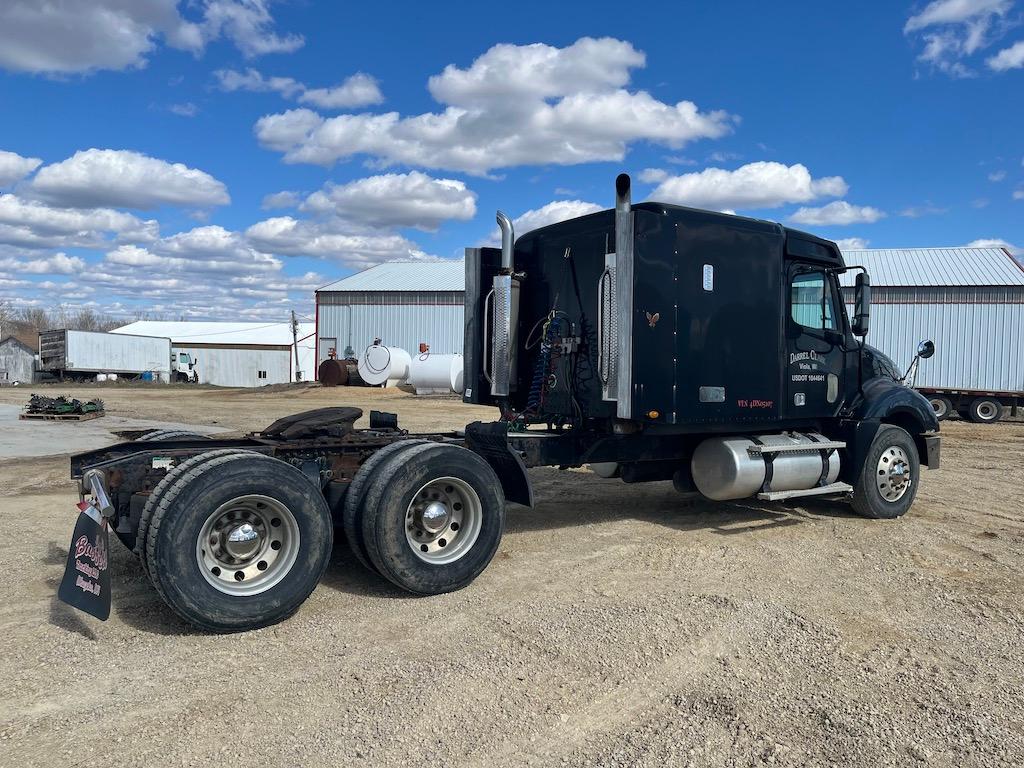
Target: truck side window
811,301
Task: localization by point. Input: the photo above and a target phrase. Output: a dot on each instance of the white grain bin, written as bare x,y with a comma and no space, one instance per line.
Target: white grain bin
436,374
381,364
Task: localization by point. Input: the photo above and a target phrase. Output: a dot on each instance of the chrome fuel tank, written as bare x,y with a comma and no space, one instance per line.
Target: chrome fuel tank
735,468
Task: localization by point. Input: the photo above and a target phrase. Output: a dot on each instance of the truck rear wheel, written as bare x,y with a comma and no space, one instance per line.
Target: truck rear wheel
888,480
942,406
355,497
985,410
433,517
239,542
138,543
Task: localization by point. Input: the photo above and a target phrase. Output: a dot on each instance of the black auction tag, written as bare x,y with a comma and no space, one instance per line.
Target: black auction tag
86,582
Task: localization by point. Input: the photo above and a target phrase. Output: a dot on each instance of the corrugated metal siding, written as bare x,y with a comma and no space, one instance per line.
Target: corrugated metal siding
447,275
16,364
935,266
969,294
386,298
238,367
400,325
977,346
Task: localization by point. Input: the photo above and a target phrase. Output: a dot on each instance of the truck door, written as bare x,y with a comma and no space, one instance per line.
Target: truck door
815,334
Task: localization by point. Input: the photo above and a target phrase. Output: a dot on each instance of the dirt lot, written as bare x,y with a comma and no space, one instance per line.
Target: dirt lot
618,625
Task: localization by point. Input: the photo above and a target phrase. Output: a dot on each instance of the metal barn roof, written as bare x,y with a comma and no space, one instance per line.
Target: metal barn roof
914,267
447,275
227,334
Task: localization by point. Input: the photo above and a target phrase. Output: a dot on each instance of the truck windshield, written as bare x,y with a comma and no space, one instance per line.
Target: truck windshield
184,358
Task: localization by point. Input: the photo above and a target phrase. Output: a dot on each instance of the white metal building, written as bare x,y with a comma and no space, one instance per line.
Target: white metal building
237,354
403,303
969,301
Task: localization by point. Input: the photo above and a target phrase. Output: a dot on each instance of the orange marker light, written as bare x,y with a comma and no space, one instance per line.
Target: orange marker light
653,414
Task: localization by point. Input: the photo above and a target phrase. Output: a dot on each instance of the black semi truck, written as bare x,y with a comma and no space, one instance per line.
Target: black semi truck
650,341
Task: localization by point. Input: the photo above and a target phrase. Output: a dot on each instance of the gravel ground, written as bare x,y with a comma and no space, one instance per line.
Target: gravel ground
618,625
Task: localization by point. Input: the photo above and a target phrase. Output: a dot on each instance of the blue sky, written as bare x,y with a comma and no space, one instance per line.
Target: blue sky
218,159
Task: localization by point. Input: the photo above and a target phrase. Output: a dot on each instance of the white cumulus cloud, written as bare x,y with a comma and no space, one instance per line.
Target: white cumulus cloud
14,167
33,224
552,213
852,244
359,90
953,30
514,105
289,236
396,200
838,213
62,36
755,185
1008,58
56,264
123,178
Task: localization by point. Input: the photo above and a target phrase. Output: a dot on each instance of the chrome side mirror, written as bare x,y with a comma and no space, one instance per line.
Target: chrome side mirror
862,305
925,349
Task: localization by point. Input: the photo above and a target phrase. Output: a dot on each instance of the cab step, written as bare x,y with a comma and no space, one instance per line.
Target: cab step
823,490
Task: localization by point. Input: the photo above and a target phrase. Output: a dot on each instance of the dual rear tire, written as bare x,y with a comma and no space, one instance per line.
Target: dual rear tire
426,516
234,540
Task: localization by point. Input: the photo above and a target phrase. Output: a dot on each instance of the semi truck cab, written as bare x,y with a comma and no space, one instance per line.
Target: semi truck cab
691,330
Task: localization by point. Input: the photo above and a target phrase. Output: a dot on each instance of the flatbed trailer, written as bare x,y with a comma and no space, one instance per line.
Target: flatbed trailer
651,342
982,406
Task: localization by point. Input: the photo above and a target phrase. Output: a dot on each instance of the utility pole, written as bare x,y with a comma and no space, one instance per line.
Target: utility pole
295,345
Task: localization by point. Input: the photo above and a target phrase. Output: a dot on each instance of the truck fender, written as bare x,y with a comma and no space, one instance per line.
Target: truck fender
893,403
885,401
490,442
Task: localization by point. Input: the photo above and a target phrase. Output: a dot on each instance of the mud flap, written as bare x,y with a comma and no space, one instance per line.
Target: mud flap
86,582
490,442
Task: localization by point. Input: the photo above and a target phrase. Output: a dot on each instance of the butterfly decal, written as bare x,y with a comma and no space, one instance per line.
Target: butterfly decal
652,320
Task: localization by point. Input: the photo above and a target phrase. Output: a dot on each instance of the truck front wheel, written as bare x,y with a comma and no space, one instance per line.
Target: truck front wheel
888,479
985,410
239,542
433,517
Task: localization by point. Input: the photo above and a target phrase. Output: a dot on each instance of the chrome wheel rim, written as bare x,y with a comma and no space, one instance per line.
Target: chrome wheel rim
443,520
892,476
987,411
248,545
939,407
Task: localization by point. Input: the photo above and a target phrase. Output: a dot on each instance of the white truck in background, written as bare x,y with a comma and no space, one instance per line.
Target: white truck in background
84,355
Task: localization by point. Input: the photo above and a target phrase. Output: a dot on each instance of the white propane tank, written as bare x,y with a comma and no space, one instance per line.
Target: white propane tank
456,373
723,467
432,374
101,377
111,377
381,364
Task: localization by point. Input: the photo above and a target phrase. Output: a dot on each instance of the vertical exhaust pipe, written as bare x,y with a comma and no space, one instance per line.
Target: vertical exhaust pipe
508,239
620,387
504,315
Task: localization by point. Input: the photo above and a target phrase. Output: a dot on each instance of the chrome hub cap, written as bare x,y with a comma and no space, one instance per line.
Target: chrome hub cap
987,411
443,520
248,545
893,474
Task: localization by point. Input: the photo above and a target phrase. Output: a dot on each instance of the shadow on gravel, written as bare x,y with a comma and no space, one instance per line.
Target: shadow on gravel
346,574
570,499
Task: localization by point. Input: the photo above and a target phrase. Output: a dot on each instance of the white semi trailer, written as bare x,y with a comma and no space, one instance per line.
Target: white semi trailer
83,355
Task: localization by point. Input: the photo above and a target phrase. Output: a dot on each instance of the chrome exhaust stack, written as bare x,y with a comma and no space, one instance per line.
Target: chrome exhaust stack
504,315
615,307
